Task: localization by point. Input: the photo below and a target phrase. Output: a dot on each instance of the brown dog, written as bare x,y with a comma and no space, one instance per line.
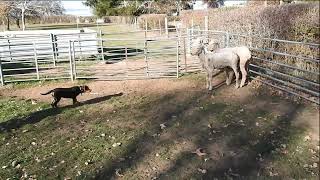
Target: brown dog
71,93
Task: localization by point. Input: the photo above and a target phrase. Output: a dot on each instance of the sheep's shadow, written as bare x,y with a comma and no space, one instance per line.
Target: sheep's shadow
16,123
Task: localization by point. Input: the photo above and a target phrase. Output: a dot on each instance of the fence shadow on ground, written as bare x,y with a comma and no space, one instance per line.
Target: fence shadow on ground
227,136
38,116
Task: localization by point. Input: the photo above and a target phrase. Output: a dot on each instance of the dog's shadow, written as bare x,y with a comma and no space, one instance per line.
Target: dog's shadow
16,123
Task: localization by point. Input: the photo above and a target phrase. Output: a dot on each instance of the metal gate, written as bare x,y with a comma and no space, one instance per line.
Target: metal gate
124,59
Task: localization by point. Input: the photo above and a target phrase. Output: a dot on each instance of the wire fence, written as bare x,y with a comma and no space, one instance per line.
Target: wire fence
155,54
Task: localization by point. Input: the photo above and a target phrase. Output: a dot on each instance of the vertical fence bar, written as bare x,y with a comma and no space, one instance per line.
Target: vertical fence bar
177,63
70,61
166,26
9,48
189,40
36,60
79,37
227,39
160,30
192,27
74,60
185,55
146,57
1,73
101,44
146,29
53,41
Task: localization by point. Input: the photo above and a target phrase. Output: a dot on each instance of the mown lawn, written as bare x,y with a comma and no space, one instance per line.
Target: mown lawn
154,135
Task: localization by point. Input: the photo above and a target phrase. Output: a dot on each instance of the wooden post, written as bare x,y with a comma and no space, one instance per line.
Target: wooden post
166,26
185,55
177,60
146,57
101,44
160,31
189,40
146,29
70,61
1,73
226,41
192,26
36,60
206,26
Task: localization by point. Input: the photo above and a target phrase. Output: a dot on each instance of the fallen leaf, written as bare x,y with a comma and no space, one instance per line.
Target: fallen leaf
118,174
33,143
203,171
3,167
116,144
307,138
162,126
200,152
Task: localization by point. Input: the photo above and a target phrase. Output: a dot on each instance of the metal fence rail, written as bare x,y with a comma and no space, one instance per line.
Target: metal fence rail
287,65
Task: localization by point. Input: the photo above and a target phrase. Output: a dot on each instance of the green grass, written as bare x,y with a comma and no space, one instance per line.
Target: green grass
78,141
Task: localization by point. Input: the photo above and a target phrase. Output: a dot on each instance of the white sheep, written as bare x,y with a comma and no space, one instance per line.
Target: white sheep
217,60
244,54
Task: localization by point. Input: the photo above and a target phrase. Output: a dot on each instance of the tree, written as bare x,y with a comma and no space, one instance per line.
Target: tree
214,3
20,9
5,8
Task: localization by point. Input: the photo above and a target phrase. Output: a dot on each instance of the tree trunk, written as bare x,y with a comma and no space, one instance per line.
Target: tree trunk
8,23
23,19
18,23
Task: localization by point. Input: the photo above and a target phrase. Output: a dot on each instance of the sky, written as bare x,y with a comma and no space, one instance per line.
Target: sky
76,7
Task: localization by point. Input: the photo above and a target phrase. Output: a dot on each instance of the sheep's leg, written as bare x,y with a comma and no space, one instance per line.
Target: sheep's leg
236,72
229,74
244,74
207,81
210,74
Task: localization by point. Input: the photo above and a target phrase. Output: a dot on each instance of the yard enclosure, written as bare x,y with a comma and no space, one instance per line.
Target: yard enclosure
154,54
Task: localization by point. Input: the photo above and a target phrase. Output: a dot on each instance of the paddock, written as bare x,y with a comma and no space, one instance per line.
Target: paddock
153,54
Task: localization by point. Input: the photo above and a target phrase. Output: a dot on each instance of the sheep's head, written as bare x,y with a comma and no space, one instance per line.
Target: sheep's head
197,46
213,45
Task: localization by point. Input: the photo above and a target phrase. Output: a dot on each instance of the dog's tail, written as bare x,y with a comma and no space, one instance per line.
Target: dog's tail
47,92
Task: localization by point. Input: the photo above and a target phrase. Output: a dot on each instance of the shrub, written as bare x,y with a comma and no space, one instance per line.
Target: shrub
153,21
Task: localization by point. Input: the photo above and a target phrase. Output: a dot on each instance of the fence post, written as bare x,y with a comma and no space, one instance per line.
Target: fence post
79,37
160,31
226,40
166,26
177,63
9,48
53,41
146,29
36,60
185,55
74,60
70,61
189,40
192,26
101,44
146,56
206,26
1,73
